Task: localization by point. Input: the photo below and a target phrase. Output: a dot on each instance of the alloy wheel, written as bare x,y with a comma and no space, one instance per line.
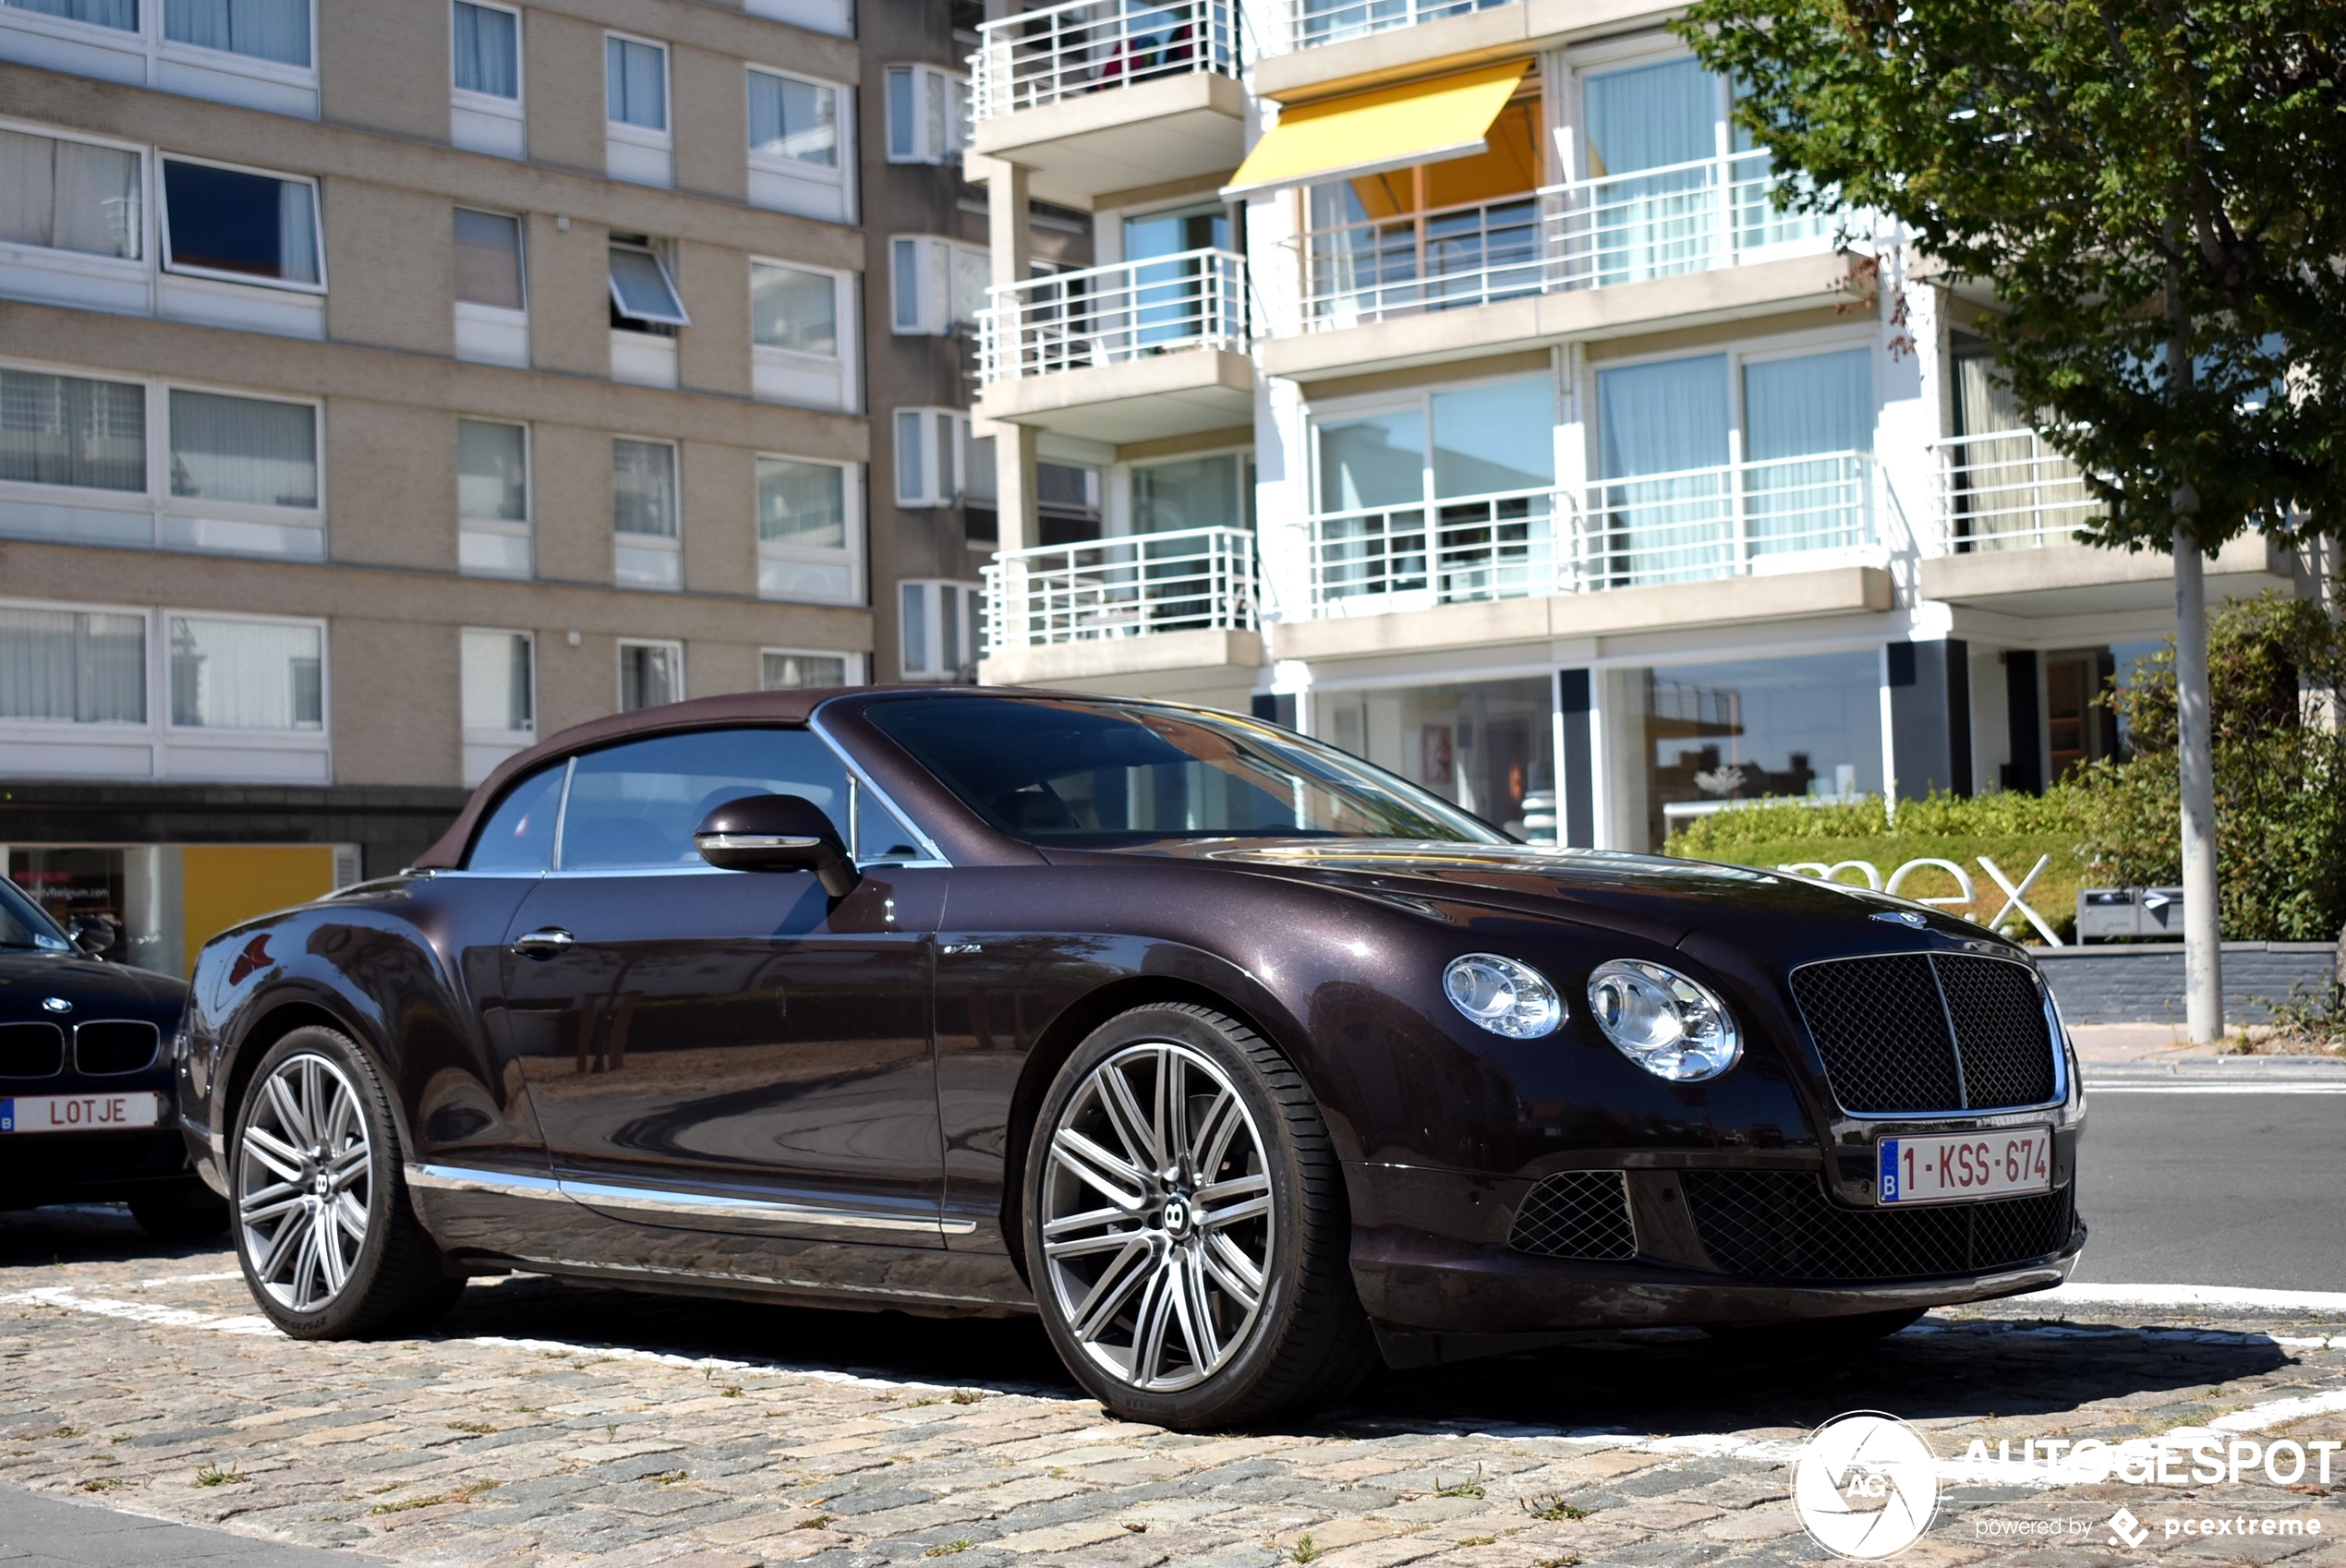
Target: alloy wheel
303,1178
1157,1218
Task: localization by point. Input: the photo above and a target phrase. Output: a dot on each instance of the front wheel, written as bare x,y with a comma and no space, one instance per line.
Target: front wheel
1186,1225
330,1245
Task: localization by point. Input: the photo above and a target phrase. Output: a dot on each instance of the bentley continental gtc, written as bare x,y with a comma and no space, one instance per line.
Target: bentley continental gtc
1240,1062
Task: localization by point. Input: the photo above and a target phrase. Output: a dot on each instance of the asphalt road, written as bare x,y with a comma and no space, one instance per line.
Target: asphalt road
2221,1188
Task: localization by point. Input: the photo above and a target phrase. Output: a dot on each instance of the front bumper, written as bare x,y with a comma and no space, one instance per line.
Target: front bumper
1431,1253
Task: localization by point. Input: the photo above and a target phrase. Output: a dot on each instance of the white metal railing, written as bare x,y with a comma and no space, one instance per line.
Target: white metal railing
1734,520
1311,23
1133,586
1691,217
1038,57
2006,489
1106,315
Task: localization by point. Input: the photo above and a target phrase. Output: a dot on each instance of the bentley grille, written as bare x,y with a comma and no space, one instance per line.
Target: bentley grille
1927,1033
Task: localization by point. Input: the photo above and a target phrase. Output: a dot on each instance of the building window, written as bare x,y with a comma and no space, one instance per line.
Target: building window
931,451
1215,492
935,284
809,543
937,629
120,14
498,699
72,667
793,309
646,550
241,224
489,269
263,29
929,114
634,84
243,451
73,431
247,674
487,45
642,293
792,119
785,669
1488,745
492,499
65,195
1067,502
650,674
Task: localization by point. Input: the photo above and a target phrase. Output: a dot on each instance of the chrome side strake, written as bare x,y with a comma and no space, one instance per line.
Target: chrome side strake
662,1201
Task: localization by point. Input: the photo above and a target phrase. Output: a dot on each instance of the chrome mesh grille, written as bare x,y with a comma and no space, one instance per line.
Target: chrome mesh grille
1779,1225
1575,1214
1881,1025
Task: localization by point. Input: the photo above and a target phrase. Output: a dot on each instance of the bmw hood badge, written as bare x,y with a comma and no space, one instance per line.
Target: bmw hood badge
56,1005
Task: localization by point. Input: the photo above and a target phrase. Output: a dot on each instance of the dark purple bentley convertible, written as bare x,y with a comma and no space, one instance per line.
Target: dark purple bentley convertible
1238,1060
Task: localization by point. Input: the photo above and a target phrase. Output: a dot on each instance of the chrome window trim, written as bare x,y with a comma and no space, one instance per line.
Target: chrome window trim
859,779
507,1184
2053,1035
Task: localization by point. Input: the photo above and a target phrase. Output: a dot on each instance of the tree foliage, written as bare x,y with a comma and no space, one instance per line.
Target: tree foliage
2125,175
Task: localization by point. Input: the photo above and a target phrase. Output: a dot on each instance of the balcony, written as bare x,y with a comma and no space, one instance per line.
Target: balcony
1177,606
1312,24
1742,519
1128,352
1108,95
2006,490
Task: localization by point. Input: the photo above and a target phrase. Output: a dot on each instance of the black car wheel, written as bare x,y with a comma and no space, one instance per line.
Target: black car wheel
328,1244
1186,1225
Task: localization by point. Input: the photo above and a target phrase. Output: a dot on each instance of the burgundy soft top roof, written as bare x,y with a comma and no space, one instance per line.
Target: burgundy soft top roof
734,707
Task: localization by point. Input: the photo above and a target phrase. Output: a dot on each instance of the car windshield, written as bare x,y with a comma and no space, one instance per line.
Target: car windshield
1102,774
24,923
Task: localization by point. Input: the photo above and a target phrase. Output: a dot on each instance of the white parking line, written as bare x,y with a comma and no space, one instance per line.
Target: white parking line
2095,1090
2235,1297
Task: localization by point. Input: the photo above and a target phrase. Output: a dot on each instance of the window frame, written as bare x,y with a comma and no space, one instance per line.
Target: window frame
147,44
163,256
514,108
843,150
1419,399
473,736
943,316
852,665
521,260
149,257
664,137
957,128
526,529
1799,345
619,678
933,494
173,730
27,728
849,553
667,277
671,545
933,591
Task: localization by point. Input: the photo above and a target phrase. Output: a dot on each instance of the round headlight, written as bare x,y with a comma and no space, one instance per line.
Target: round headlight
1669,1025
1501,996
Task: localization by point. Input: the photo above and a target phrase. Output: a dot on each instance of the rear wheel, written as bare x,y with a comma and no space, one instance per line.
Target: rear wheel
1186,1225
330,1245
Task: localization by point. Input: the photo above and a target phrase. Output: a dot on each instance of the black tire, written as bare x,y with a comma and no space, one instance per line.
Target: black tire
193,1214
395,1281
1816,1334
1305,1340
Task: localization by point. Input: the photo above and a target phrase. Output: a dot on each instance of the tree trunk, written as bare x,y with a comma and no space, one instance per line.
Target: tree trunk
2203,950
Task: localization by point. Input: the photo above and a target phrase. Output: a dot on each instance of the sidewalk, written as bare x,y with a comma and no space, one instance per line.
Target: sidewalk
2143,1044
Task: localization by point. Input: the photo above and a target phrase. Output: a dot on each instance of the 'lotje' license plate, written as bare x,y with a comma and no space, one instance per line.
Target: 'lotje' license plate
1966,1165
79,1113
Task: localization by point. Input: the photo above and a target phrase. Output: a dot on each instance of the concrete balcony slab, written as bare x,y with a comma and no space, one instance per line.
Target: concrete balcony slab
1176,393
2068,581
1588,314
1120,139
1840,590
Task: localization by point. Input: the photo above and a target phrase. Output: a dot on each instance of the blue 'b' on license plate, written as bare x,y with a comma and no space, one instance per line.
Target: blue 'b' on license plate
1889,1170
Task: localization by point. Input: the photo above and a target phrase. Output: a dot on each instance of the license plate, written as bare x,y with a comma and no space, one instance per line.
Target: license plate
79,1113
1966,1165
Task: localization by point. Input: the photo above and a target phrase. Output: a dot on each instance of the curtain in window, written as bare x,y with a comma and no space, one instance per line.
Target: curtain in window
900,114
243,450
2014,491
489,259
296,232
263,29
1652,118
788,671
487,56
68,195
789,119
802,503
649,675
123,14
67,666
67,430
496,680
491,473
913,623
245,675
791,308
644,488
1666,419
635,83
1819,403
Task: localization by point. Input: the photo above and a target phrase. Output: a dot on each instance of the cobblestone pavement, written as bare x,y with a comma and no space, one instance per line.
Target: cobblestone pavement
553,1424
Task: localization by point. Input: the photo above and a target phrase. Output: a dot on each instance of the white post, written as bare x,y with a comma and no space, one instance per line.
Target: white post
2203,950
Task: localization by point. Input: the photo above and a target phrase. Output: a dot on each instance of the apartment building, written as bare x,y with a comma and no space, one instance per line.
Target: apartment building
383,385
1461,397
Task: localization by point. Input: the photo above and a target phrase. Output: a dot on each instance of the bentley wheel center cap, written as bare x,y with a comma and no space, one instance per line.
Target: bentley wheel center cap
1178,1216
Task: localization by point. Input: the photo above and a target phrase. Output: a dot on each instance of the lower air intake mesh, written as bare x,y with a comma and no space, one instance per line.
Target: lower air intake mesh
1779,1225
1575,1214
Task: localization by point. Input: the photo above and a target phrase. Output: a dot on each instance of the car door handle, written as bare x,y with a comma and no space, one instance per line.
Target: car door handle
543,943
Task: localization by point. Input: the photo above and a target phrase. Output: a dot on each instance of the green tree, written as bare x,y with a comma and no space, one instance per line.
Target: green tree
2155,191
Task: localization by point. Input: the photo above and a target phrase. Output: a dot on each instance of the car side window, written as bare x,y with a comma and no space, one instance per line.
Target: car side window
633,807
518,837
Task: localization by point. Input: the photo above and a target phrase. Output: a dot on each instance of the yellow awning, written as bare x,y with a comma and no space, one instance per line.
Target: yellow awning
1387,128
